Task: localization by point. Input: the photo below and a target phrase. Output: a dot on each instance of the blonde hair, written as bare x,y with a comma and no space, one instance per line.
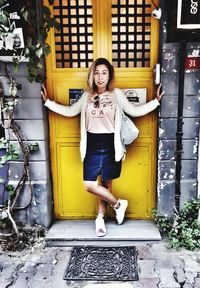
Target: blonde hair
91,85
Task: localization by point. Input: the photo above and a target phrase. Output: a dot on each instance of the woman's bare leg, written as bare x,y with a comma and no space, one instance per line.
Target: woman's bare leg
102,205
105,195
100,191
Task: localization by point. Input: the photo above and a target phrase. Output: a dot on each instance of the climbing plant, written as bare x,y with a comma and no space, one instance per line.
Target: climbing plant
183,227
37,21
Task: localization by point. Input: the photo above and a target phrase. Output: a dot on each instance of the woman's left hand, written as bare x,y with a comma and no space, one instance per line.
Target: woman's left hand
159,92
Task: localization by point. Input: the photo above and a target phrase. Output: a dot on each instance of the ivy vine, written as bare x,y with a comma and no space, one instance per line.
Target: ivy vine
37,21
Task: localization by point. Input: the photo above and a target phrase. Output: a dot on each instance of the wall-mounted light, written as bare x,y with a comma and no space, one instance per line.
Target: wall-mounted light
157,12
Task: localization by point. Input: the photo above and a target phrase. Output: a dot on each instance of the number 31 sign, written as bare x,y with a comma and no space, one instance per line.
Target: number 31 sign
188,14
192,63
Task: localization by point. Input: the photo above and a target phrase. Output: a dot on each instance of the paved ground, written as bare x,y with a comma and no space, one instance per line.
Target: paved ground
43,267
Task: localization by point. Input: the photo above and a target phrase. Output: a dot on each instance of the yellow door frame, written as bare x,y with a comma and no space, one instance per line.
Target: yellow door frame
59,78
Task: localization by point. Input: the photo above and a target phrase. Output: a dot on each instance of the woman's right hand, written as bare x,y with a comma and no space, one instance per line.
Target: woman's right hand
44,93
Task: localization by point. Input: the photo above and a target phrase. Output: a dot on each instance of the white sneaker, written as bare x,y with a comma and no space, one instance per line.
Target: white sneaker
100,227
120,212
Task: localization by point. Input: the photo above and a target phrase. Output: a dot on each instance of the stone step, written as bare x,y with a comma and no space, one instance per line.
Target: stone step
82,232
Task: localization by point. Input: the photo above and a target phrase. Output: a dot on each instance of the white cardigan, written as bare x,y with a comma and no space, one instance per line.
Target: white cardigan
122,105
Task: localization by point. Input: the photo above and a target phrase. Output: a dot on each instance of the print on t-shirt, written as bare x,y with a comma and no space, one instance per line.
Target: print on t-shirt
99,105
100,114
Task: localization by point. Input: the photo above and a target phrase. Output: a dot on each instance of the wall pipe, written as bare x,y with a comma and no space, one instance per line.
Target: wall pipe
179,132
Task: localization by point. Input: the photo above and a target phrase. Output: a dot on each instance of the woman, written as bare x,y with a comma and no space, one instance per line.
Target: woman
101,147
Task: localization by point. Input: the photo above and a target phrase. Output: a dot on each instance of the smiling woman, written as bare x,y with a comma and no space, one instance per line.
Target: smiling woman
101,78
101,147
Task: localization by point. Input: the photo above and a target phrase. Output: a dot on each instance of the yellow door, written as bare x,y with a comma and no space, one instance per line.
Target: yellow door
124,32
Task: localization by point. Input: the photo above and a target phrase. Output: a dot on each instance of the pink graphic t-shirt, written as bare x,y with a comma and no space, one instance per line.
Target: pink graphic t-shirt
100,113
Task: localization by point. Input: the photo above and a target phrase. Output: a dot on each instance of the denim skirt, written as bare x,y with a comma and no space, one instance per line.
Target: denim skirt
100,158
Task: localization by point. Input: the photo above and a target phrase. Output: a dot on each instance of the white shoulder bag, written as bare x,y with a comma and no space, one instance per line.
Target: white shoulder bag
129,132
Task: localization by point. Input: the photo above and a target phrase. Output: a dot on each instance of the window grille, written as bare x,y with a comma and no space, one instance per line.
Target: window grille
74,40
131,23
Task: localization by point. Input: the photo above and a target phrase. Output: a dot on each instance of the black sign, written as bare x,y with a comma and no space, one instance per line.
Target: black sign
74,95
188,16
11,29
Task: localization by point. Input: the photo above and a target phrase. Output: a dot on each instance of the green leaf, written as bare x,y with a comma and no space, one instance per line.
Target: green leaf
51,2
46,49
15,157
3,159
39,52
57,25
40,65
10,189
2,224
3,18
46,14
2,146
8,157
24,13
2,2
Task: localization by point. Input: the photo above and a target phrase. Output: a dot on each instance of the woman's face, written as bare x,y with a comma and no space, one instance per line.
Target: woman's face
101,78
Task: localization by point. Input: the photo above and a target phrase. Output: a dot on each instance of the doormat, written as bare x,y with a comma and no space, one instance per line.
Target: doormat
102,263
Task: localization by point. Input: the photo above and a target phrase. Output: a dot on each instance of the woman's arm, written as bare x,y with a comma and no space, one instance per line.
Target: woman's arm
68,111
140,110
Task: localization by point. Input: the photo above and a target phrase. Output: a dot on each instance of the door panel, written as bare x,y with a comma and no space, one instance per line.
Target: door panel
127,35
70,184
135,181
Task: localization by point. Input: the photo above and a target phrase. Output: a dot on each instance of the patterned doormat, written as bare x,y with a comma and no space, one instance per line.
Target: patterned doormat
102,263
